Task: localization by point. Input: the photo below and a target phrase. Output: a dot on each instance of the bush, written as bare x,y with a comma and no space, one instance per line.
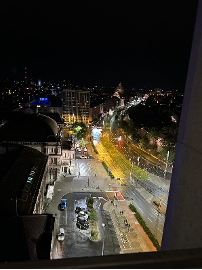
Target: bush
90,201
94,235
95,150
93,215
144,226
132,208
106,168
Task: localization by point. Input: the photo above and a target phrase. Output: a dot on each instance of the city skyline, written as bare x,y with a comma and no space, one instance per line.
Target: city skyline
98,43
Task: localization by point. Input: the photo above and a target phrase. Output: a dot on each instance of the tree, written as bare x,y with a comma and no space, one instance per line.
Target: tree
80,129
170,132
89,202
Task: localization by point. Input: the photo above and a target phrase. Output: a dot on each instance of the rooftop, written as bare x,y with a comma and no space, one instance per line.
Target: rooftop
21,171
26,237
29,128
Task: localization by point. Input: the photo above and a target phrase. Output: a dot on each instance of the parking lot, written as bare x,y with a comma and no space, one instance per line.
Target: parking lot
78,241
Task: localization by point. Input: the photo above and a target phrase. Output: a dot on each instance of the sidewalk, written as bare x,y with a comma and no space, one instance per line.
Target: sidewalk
131,239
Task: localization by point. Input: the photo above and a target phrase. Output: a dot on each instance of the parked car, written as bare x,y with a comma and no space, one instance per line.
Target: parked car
83,157
78,149
83,214
61,235
63,204
82,223
79,209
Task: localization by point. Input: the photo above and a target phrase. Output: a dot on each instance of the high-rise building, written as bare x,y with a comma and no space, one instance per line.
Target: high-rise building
76,106
25,76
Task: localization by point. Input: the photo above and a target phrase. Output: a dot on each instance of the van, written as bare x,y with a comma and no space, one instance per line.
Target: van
61,235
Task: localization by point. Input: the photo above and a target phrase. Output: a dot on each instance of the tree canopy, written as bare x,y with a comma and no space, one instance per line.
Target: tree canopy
80,129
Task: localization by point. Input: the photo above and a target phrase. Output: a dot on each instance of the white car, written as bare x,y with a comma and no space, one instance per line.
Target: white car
83,157
83,214
61,235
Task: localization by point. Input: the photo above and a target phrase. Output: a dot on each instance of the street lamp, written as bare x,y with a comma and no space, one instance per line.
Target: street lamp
82,145
103,241
167,156
131,171
119,139
138,162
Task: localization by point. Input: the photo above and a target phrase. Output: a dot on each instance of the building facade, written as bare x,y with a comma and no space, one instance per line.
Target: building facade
41,133
76,106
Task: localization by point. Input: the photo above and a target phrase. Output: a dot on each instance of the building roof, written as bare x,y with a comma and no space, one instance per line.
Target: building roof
21,172
77,91
26,237
54,116
29,128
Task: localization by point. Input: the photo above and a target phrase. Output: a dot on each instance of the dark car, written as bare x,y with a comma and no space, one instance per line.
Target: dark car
82,223
79,209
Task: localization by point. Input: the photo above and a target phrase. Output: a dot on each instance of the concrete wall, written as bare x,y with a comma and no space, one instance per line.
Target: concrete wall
183,221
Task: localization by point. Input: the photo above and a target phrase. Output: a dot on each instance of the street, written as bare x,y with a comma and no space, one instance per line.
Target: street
90,177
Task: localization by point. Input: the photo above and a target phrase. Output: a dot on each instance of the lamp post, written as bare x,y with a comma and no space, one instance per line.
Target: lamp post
138,162
119,139
82,145
131,171
167,156
103,241
88,182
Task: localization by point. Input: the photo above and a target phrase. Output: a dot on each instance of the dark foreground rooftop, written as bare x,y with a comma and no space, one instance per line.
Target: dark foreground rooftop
26,238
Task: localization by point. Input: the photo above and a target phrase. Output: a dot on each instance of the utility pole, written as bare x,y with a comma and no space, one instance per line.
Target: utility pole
82,147
88,182
103,241
138,162
131,171
167,156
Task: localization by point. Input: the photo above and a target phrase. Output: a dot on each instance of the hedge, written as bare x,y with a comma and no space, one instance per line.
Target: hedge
95,150
106,168
144,226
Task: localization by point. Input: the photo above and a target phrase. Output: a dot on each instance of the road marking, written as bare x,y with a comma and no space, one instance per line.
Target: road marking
102,198
140,209
149,219
160,230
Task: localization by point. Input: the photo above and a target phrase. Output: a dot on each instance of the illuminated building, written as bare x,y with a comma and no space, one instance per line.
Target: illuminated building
25,76
76,106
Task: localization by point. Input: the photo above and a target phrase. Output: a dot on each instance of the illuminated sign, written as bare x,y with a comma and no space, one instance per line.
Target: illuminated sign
43,99
27,186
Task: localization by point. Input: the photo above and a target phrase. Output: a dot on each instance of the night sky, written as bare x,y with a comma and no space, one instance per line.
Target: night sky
144,43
